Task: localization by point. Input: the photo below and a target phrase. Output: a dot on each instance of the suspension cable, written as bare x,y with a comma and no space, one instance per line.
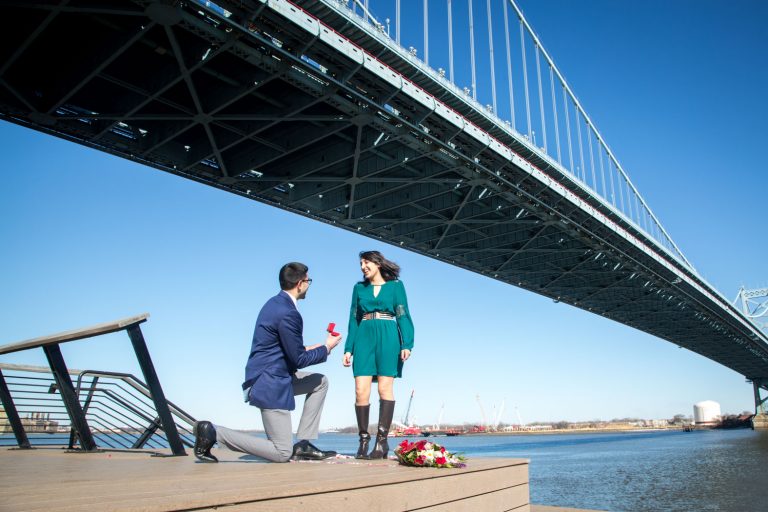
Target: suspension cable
581,147
592,159
472,51
525,80
554,112
613,189
426,32
450,42
619,177
568,131
608,151
541,102
397,21
509,66
490,57
602,169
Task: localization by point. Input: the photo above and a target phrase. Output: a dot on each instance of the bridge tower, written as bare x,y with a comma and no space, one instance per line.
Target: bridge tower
754,304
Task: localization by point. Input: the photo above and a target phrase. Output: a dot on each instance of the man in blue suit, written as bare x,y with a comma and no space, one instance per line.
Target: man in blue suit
272,380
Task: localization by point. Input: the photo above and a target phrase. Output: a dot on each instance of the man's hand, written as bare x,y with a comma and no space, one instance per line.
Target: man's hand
347,359
331,341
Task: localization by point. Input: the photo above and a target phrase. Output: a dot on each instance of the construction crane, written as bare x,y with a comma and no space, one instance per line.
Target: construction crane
408,410
440,417
519,419
482,410
498,415
754,309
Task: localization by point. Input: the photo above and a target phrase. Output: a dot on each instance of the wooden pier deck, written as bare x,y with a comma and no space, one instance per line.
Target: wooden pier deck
53,479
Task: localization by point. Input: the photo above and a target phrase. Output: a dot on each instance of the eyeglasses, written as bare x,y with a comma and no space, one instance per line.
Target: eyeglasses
308,281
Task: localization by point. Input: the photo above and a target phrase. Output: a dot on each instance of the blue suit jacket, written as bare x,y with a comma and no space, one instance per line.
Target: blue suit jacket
277,352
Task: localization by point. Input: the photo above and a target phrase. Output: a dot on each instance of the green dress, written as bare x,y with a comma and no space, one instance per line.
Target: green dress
376,344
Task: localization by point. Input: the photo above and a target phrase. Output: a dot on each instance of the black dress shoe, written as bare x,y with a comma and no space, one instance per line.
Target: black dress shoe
205,438
304,450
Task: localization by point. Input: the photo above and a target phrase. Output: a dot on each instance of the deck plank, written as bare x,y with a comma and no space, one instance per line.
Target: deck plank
50,478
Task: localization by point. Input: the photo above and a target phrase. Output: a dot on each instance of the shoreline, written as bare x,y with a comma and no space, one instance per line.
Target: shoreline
633,430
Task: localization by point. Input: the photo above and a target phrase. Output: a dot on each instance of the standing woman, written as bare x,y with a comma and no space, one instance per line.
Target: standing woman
379,341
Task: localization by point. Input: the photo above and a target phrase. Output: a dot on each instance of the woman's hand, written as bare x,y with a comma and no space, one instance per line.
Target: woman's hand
405,354
347,359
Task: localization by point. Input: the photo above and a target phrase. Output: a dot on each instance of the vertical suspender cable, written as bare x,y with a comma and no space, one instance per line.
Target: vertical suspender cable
525,81
554,113
645,221
472,51
581,147
490,56
541,103
645,217
509,67
568,129
450,42
619,176
366,11
610,178
648,225
397,21
608,151
602,169
426,32
592,159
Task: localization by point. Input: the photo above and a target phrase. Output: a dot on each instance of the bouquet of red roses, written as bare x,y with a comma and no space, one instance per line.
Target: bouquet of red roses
428,455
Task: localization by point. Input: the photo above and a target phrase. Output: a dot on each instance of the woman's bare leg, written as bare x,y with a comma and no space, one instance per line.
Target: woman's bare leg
363,390
386,388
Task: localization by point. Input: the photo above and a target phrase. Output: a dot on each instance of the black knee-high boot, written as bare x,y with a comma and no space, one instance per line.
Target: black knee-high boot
362,412
386,410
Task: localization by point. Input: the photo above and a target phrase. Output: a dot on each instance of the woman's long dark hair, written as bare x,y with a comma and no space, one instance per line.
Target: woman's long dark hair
389,269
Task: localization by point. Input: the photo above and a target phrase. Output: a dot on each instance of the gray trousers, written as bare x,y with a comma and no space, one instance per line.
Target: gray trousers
278,447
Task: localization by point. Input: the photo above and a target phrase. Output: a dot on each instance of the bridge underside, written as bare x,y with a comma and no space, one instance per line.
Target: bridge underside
255,106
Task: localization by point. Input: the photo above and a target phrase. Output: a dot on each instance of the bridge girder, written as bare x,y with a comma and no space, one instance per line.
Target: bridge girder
253,105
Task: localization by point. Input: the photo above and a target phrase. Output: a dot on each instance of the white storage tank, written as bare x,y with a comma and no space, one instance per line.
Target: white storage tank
706,413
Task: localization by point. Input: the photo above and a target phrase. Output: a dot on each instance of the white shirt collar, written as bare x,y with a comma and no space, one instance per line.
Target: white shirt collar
295,302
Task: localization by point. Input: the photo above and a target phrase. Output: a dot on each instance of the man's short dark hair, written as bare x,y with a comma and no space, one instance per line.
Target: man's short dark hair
291,274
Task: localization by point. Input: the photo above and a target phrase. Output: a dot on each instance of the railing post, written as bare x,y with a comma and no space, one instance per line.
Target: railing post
147,434
153,383
13,415
70,398
85,405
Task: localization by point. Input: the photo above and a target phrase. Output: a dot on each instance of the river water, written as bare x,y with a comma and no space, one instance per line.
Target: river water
705,470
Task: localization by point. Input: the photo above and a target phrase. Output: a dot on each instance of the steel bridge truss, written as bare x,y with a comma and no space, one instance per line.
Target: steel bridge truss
339,128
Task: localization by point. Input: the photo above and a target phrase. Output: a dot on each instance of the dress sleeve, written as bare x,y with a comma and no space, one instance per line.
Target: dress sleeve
349,345
403,316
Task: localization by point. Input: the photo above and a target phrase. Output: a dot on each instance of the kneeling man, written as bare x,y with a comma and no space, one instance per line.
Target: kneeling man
272,381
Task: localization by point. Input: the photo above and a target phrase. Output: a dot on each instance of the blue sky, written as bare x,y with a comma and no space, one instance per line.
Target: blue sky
678,91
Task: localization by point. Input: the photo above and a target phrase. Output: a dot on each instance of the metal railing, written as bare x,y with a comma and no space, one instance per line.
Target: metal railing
116,416
118,408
